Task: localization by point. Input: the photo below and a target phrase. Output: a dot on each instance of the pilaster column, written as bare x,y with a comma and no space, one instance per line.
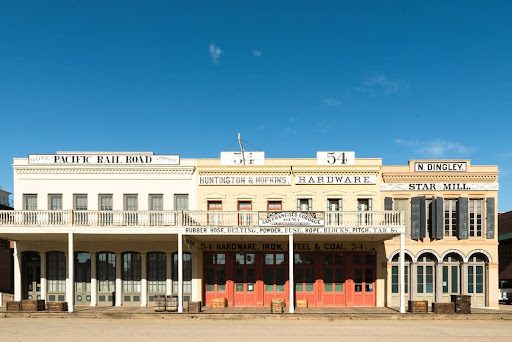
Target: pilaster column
71,271
143,280
464,278
17,273
291,284
439,282
180,272
402,273
413,286
94,282
168,274
119,283
43,275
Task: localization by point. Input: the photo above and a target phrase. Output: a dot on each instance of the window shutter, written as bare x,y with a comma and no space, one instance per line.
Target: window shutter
310,204
462,218
423,218
340,205
388,203
298,204
490,217
416,217
439,218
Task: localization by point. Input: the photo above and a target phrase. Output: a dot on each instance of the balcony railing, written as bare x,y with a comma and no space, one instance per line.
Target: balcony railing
20,218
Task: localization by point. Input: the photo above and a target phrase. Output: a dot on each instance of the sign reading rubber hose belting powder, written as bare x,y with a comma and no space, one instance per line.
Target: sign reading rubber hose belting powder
288,230
291,219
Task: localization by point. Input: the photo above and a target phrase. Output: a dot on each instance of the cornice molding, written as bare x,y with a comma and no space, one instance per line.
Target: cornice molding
188,170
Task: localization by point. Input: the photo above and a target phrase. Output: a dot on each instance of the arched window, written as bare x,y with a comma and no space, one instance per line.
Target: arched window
476,278
395,273
156,272
131,272
106,271
451,273
56,271
425,275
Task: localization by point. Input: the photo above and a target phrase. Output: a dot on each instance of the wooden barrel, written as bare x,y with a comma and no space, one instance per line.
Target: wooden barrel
159,303
171,303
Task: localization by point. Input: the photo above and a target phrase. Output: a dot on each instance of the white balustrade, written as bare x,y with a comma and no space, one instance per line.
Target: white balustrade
96,218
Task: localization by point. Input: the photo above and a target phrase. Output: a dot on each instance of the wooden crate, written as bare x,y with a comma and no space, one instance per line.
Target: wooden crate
194,307
13,306
32,305
418,306
443,308
464,308
219,303
57,306
277,305
302,303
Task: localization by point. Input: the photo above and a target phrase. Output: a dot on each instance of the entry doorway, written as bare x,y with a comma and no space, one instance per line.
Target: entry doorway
245,279
31,275
82,278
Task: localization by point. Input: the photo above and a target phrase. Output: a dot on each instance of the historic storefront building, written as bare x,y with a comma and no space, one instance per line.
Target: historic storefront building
120,228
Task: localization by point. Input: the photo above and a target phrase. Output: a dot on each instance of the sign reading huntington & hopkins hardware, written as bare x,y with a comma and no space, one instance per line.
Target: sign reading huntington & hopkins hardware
291,219
103,159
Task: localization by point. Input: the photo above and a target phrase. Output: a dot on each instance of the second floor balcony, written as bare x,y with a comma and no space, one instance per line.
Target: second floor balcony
92,218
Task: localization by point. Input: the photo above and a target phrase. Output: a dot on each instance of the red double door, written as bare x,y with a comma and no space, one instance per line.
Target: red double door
324,279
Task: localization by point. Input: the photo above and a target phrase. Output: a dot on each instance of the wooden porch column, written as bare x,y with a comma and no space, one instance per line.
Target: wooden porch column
402,273
42,256
180,272
70,296
291,277
17,273
94,282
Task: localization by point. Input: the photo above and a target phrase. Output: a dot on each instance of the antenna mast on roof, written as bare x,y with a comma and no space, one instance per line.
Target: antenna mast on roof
241,147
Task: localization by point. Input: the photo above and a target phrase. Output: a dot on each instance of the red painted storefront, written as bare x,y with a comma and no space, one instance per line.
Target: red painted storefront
323,278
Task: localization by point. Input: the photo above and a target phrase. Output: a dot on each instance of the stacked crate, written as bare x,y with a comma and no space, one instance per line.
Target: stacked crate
277,305
462,303
32,305
418,306
13,306
57,306
219,303
194,307
443,308
302,303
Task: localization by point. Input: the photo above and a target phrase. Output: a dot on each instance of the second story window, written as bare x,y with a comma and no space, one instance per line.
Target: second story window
450,217
55,202
106,202
334,204
244,205
181,202
80,202
214,205
304,204
30,202
275,205
156,202
130,202
475,217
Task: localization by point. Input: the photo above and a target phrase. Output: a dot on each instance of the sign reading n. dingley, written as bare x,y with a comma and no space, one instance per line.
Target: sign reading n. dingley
103,159
439,186
440,167
291,219
244,180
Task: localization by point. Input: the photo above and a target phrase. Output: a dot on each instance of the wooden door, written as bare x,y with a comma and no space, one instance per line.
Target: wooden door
305,278
332,288
245,279
275,275
363,279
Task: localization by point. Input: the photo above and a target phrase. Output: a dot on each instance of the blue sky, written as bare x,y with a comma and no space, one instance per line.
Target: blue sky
391,79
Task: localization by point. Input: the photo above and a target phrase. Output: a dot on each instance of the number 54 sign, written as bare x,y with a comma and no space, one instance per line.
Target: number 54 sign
336,158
